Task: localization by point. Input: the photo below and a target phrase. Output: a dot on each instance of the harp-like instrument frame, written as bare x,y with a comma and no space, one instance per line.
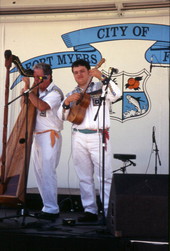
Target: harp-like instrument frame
15,156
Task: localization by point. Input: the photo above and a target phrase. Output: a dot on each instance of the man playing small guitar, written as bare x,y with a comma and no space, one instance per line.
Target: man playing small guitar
87,135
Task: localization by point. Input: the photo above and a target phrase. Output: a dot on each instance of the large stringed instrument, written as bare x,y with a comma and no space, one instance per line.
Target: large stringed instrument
78,109
15,152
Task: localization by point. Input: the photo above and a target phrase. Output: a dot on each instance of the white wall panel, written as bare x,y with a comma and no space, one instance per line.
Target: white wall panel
32,39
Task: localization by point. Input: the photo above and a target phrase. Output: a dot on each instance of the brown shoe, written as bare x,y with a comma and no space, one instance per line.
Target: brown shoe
88,217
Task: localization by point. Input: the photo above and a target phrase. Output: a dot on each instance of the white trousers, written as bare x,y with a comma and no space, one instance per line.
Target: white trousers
87,160
45,161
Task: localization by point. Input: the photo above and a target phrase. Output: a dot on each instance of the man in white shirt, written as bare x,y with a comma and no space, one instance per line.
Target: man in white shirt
87,134
47,138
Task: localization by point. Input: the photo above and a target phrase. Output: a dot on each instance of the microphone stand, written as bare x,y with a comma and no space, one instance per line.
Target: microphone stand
157,157
103,99
123,168
24,212
26,92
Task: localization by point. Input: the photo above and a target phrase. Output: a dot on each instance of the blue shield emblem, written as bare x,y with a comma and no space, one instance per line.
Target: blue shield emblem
135,102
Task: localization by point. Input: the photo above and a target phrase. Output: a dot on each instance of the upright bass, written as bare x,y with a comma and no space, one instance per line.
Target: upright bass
78,109
15,152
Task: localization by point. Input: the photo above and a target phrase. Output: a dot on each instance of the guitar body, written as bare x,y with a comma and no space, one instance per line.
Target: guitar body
78,110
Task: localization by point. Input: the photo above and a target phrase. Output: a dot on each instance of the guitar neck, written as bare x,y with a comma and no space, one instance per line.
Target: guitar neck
96,67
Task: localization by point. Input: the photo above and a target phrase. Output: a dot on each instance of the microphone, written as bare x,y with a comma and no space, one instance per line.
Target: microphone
44,77
134,164
151,64
41,80
153,134
113,70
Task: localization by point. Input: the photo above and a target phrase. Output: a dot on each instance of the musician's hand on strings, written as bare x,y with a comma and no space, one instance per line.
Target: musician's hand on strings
95,73
72,98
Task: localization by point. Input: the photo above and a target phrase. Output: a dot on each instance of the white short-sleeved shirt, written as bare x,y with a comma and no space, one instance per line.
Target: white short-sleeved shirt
95,89
48,120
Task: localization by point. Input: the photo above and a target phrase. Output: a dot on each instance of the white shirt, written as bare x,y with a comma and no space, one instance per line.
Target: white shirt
48,120
113,93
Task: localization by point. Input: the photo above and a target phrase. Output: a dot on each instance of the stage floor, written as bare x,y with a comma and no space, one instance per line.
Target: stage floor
28,234
19,231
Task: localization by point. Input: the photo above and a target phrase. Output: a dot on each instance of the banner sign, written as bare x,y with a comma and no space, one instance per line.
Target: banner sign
81,40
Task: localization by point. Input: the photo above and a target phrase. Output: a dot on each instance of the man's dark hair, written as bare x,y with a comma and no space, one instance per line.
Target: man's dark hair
81,62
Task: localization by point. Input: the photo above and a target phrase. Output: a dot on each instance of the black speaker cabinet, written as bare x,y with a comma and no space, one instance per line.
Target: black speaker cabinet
138,206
